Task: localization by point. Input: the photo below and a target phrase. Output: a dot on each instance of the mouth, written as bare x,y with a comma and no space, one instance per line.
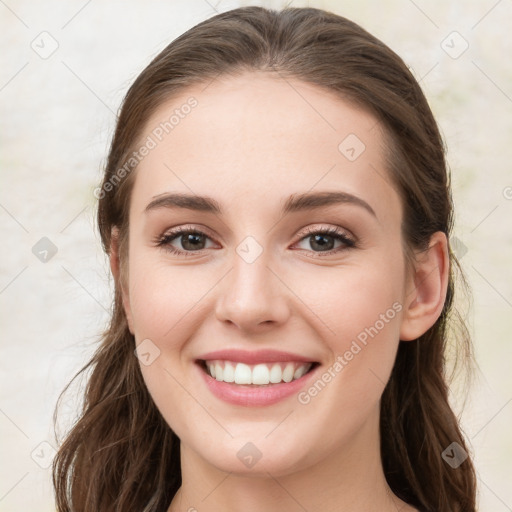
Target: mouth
255,378
256,375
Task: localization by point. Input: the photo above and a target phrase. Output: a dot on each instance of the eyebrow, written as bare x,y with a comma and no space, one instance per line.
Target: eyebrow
295,203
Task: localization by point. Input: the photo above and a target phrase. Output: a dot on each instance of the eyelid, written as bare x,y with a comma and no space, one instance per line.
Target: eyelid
347,240
187,228
176,231
334,230
312,229
344,236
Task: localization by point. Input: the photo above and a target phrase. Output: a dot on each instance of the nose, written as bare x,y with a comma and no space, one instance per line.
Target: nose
253,296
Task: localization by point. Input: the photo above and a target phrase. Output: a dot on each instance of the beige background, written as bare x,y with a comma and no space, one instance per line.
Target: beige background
56,116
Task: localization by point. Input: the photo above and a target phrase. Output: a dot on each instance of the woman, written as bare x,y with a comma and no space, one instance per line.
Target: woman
277,210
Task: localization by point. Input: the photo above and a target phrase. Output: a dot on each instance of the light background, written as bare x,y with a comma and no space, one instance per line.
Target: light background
57,117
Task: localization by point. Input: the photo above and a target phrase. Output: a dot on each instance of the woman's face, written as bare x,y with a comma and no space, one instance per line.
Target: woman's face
258,276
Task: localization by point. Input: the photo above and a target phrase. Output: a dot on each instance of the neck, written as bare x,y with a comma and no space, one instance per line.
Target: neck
349,479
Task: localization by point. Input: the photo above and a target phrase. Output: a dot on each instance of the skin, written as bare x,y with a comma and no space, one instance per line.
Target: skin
251,142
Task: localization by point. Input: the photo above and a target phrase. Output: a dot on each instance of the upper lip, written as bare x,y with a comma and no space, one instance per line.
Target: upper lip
254,356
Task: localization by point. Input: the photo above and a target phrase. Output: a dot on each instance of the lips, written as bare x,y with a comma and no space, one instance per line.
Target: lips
255,378
254,357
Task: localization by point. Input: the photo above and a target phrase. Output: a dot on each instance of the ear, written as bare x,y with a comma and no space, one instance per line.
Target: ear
115,267
426,290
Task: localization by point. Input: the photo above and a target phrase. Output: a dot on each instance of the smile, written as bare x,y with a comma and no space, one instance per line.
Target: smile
260,384
259,374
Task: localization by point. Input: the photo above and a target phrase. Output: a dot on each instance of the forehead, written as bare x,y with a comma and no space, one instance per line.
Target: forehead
259,137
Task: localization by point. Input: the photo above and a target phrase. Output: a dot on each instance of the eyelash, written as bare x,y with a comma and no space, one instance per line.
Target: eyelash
165,240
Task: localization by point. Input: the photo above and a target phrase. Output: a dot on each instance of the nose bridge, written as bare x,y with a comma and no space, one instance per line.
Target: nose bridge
252,294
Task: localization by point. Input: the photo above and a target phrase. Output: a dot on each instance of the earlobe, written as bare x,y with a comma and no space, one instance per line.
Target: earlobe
115,267
425,298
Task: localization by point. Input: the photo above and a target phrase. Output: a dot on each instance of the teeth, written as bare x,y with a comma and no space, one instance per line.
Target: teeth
219,371
288,373
259,374
229,372
275,374
242,374
299,372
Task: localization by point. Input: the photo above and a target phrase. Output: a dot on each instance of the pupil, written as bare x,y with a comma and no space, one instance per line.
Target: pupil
325,245
192,239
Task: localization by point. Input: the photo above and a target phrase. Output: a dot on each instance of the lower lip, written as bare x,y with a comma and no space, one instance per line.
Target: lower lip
253,396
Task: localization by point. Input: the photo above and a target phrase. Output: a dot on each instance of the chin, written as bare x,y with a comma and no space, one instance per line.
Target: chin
257,458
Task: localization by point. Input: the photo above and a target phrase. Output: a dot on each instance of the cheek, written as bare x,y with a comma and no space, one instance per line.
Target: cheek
359,317
351,311
161,296
347,300
353,302
162,301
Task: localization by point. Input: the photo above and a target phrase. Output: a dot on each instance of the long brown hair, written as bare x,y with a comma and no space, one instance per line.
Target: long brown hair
121,454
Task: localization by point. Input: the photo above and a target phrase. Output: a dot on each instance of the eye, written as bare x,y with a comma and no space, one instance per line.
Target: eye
191,241
323,241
